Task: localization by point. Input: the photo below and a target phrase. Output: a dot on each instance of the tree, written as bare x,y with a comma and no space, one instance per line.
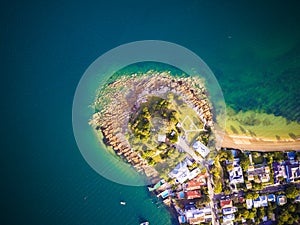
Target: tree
261,213
225,155
291,192
252,215
252,195
218,188
244,161
278,156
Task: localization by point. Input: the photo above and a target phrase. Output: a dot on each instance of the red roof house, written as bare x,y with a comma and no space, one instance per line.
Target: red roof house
193,185
226,203
193,194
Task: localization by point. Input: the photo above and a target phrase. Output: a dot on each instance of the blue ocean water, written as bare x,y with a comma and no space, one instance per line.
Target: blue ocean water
252,47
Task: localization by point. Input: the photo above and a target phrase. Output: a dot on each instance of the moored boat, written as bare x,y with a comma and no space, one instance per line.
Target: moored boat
145,223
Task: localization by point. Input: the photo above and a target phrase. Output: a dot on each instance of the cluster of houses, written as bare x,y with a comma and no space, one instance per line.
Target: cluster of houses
228,211
288,170
190,192
262,201
190,182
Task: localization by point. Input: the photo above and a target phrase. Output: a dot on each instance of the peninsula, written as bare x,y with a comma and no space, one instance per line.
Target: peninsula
163,126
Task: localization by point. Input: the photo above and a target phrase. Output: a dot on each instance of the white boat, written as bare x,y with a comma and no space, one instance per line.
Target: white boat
123,203
145,223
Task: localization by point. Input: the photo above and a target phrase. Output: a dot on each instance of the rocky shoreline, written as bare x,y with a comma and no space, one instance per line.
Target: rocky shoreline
119,99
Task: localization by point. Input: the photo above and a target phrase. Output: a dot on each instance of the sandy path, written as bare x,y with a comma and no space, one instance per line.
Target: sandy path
258,144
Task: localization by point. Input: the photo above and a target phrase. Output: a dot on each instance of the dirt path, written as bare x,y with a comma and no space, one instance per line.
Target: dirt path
258,144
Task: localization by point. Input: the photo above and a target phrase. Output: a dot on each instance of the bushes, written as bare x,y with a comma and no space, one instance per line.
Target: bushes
291,192
252,195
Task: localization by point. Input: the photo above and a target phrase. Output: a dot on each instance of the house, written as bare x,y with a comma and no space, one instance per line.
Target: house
248,185
264,200
227,211
261,201
292,171
201,148
271,198
197,220
250,168
193,194
256,202
281,200
236,174
229,217
262,173
249,203
180,172
161,138
193,185
226,203
250,177
196,216
194,173
291,155
279,171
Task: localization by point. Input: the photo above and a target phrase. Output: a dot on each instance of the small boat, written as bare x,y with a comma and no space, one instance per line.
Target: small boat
145,223
123,203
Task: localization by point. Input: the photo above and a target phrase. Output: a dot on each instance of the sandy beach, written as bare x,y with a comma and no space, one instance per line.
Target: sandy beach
258,144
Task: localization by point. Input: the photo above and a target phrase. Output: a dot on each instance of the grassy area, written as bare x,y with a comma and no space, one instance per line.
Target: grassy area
261,125
188,118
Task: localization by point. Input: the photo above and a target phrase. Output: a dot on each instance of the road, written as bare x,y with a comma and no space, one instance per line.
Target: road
184,146
212,199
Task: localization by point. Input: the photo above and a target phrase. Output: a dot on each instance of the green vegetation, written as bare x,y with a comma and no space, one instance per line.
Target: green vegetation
257,157
292,192
244,161
224,155
286,214
155,127
217,172
251,195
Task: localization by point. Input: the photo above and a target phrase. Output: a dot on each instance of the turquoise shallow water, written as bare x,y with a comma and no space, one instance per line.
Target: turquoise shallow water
252,47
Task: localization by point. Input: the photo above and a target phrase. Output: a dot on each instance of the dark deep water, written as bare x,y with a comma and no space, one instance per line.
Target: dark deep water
253,47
